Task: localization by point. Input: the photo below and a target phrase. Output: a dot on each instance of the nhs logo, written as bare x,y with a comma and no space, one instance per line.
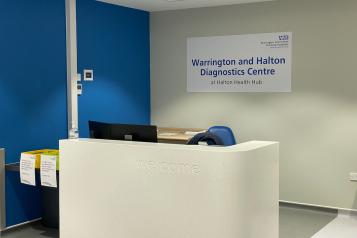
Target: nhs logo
284,37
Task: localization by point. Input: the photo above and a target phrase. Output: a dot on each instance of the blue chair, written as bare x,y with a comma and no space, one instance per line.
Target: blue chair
224,133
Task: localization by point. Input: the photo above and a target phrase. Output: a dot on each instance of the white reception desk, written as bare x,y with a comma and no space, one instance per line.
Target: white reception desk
145,190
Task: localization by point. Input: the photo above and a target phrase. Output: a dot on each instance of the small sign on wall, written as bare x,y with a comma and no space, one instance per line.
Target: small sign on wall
240,63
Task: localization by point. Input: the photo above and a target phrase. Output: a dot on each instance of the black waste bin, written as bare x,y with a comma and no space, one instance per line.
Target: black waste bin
50,206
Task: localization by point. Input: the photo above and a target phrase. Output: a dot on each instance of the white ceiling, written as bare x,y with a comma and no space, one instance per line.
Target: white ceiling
163,5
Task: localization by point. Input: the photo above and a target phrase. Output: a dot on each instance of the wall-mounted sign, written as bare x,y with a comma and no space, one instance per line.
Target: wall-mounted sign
240,63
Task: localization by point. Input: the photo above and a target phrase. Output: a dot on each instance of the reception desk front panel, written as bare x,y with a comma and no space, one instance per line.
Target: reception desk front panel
146,190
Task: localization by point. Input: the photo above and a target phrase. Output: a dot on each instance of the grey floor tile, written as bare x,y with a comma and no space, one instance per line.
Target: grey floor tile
294,223
35,230
302,222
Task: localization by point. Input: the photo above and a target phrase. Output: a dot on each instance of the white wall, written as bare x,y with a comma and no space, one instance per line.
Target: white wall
316,123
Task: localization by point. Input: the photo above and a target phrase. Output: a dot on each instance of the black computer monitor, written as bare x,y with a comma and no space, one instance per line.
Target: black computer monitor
100,130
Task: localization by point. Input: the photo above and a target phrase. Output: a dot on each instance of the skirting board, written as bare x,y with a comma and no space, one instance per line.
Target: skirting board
2,190
314,206
21,224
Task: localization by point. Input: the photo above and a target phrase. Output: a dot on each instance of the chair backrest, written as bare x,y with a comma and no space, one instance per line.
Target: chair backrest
224,133
209,138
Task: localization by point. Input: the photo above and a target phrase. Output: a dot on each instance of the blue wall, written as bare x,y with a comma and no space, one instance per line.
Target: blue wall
112,40
115,42
32,90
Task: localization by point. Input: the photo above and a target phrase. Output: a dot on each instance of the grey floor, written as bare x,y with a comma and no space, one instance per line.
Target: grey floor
295,222
35,230
299,222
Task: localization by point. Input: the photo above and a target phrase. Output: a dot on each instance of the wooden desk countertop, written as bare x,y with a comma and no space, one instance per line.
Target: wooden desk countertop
167,134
